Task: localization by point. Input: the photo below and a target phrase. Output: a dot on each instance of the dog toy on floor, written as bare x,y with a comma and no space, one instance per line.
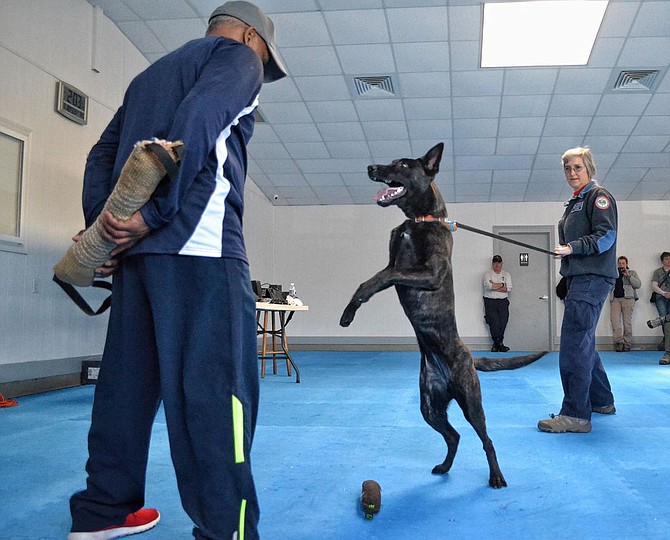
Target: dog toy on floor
7,402
371,498
147,165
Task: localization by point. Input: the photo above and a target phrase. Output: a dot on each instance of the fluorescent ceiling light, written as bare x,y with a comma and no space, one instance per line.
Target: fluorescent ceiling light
540,33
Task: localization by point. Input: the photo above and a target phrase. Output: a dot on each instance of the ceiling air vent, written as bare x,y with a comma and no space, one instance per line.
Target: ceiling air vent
641,80
377,86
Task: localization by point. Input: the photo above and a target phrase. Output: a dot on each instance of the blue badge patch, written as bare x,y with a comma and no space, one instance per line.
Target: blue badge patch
578,207
602,202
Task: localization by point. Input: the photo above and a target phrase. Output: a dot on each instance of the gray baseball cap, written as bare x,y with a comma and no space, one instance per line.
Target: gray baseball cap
253,16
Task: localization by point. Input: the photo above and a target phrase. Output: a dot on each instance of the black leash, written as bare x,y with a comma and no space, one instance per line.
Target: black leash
498,237
455,225
79,299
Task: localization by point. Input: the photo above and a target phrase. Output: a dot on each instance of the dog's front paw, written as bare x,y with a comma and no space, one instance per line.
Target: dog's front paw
497,482
348,315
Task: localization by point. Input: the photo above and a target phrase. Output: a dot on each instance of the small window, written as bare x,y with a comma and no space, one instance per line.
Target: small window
12,170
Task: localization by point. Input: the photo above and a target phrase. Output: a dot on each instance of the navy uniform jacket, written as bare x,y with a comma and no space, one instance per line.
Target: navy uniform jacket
203,94
589,226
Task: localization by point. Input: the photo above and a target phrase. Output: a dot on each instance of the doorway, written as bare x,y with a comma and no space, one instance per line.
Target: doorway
532,299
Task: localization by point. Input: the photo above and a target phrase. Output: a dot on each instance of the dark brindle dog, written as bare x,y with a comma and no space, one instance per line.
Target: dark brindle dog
420,269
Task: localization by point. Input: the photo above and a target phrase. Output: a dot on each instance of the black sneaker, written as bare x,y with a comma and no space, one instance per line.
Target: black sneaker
502,348
495,348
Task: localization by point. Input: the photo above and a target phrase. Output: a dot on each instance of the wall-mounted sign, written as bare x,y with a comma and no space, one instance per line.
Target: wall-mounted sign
71,103
523,259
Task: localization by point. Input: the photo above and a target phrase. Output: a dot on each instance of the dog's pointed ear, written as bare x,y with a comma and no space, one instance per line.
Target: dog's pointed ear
431,161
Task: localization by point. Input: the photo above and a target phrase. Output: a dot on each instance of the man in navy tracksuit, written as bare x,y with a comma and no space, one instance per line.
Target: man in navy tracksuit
587,236
182,326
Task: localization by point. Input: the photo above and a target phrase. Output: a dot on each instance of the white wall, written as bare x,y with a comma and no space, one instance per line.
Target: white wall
328,251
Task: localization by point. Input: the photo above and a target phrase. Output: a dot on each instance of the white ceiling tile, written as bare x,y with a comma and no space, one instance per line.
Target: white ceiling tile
385,131
344,149
429,129
349,4
521,127
341,131
260,179
478,83
529,81
500,190
277,166
517,145
380,109
517,106
115,10
653,125
474,147
143,38
464,55
556,146
412,3
419,85
300,29
644,160
550,161
286,113
644,51
174,34
327,87
626,175
420,147
418,24
307,150
652,19
360,179
618,19
483,189
465,23
324,179
419,57
276,6
568,105
623,105
473,177
310,61
161,9
389,149
285,180
297,133
511,177
478,163
650,191
427,108
612,125
357,26
566,126
605,52
371,59
259,150
470,128
281,90
646,143
606,144
263,133
658,174
332,111
353,165
659,104
582,81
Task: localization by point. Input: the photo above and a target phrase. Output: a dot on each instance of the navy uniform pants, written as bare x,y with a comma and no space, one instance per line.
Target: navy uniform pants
585,383
182,330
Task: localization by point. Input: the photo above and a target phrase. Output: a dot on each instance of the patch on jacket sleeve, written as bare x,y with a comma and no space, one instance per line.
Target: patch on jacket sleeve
602,202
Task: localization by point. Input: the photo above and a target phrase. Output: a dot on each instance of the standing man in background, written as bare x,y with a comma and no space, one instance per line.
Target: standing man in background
497,284
622,304
182,328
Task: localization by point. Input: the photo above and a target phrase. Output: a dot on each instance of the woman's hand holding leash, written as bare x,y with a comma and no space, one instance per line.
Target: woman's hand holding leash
562,251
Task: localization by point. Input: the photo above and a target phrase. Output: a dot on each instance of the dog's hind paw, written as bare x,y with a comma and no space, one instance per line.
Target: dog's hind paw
440,469
497,482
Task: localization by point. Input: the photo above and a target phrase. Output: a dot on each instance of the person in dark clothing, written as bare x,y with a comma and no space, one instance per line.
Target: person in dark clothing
660,284
587,235
182,328
497,284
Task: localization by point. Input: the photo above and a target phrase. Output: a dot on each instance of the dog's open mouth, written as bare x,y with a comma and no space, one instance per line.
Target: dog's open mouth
389,193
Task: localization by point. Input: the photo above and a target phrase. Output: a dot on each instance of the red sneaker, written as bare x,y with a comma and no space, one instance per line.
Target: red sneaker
137,522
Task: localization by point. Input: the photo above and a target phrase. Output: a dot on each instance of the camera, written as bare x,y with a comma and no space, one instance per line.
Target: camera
658,321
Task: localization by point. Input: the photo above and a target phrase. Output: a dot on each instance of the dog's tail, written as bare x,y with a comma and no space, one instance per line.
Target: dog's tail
506,362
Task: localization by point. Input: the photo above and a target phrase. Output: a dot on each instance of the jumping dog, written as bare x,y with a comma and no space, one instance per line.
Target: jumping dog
421,271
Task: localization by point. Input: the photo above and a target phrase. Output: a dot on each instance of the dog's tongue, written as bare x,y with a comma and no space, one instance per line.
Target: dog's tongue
388,193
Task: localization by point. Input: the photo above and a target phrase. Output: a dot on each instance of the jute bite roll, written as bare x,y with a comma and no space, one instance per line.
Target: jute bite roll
140,176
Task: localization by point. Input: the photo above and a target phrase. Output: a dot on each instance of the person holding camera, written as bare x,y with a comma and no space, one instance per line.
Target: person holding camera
622,304
660,284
